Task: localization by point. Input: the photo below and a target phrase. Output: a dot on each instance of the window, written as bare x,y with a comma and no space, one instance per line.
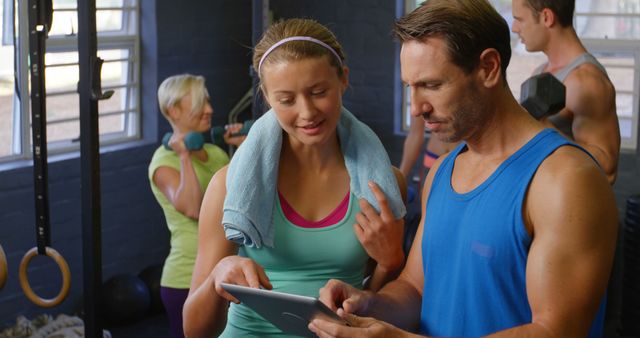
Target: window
610,30
118,46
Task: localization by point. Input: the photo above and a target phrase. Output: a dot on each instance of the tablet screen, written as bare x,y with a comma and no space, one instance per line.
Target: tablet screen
290,313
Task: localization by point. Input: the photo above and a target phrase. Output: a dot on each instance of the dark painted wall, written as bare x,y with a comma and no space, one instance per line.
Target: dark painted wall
210,42
627,184
213,42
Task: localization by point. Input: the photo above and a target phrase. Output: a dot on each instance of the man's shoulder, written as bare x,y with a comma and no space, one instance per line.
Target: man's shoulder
588,76
588,87
568,191
590,93
567,179
568,163
570,155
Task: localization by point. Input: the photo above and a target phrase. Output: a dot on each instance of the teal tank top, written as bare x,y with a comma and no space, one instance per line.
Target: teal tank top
301,262
475,247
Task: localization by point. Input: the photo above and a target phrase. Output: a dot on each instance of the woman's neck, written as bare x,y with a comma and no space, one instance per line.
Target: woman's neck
314,158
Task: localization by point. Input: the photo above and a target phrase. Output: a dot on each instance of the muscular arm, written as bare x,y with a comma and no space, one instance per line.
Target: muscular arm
571,212
399,301
204,310
182,188
591,101
412,145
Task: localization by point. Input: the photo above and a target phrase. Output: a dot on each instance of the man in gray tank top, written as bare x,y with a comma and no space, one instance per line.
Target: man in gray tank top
589,117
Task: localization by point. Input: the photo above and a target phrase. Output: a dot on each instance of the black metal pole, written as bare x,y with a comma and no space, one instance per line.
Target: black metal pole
90,168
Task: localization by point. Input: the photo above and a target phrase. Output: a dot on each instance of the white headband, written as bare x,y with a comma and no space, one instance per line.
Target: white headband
297,38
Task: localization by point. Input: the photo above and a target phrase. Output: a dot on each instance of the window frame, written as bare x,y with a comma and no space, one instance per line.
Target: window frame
7,23
127,38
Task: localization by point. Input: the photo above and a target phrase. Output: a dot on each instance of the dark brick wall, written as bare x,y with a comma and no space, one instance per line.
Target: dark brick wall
133,232
627,184
214,41
208,38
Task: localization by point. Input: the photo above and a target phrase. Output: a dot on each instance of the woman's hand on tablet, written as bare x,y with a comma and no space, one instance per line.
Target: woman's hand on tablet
240,271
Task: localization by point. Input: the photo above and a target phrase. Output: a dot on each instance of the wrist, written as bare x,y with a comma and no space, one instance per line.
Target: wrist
185,156
393,264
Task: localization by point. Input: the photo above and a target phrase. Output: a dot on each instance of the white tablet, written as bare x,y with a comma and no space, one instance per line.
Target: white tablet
290,313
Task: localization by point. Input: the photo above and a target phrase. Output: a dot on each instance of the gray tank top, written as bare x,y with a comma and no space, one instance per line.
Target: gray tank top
564,72
564,123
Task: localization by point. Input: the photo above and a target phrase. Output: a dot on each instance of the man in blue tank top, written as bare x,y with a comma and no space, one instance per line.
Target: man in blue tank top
519,224
589,117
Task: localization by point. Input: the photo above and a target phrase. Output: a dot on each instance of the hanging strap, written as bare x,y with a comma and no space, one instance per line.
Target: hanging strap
40,16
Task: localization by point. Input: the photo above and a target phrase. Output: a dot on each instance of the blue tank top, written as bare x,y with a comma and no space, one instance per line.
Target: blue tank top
475,247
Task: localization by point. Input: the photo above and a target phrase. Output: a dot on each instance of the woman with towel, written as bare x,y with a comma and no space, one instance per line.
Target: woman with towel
310,195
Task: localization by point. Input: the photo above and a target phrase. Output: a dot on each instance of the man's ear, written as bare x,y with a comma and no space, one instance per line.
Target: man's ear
548,17
490,70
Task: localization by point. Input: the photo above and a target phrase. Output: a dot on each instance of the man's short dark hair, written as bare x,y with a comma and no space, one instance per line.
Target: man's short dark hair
563,9
469,27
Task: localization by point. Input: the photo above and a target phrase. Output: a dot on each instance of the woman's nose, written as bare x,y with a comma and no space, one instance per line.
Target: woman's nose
307,109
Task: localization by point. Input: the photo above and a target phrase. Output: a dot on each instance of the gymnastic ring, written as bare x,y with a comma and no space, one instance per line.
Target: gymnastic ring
24,279
3,268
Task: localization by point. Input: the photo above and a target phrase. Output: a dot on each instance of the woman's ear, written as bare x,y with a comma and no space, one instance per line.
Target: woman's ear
344,79
490,70
263,91
173,112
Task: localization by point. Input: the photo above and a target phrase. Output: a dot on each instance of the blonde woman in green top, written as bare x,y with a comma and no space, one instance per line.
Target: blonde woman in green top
179,176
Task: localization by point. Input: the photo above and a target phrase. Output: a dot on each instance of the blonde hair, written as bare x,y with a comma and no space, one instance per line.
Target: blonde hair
176,87
297,50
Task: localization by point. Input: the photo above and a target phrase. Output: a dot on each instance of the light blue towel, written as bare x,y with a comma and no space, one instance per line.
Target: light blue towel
253,173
